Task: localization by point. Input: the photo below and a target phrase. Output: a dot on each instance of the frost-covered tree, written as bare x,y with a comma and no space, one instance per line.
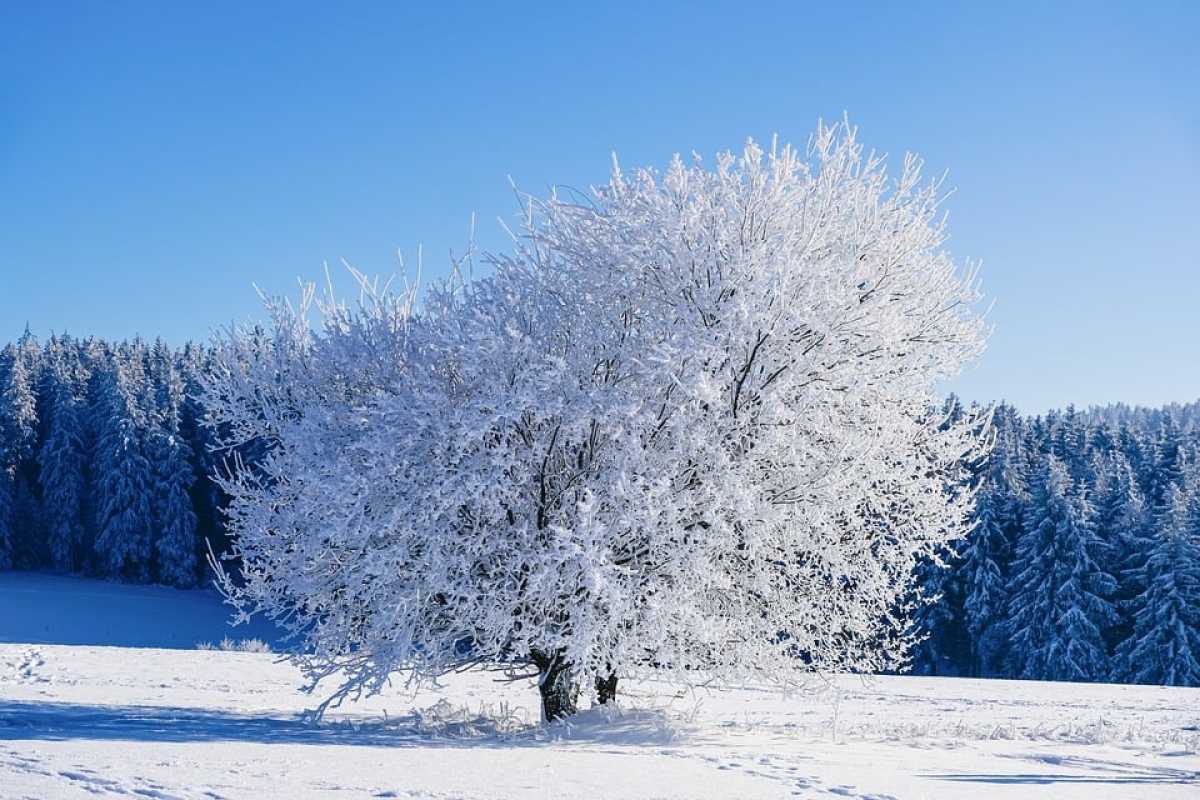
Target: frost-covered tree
18,404
18,440
1164,647
1124,525
1164,468
988,547
1070,443
171,504
61,464
166,386
206,496
123,478
171,470
938,620
1121,509
686,428
1059,594
1132,448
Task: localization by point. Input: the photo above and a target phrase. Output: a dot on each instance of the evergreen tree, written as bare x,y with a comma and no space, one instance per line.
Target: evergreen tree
18,407
166,385
1130,443
937,620
123,478
1165,467
1070,443
18,437
986,550
1102,440
61,463
1123,523
1165,646
174,517
1059,591
207,498
96,362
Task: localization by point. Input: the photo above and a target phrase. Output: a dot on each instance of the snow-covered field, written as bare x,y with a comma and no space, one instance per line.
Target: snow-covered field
80,720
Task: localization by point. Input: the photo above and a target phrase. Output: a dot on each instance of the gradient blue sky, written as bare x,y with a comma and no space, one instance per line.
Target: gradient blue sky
156,161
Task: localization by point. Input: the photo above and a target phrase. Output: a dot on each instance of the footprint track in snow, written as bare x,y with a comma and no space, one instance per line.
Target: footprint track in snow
89,781
785,771
27,667
764,766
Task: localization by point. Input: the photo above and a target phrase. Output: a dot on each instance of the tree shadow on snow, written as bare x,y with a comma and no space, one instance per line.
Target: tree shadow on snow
1091,770
440,726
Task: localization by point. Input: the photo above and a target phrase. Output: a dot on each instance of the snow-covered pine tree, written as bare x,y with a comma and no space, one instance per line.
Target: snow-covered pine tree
1164,648
207,498
1123,523
988,547
1102,439
122,477
938,623
1046,433
166,385
19,427
175,520
167,450
1059,594
96,357
1164,468
684,430
1132,446
1070,443
61,466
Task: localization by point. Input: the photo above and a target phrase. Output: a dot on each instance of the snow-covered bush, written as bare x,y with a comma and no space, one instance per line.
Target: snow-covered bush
231,645
686,427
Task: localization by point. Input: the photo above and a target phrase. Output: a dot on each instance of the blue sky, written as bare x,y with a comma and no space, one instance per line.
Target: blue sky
155,160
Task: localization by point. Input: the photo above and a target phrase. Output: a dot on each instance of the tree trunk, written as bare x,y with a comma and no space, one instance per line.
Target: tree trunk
557,685
606,688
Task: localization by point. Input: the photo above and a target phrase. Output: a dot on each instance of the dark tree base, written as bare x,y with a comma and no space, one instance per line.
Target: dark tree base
606,689
557,685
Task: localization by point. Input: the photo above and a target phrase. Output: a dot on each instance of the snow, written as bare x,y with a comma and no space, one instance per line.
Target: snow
57,609
83,721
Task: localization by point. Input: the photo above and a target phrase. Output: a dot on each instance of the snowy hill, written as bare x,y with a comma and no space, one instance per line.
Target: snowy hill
78,720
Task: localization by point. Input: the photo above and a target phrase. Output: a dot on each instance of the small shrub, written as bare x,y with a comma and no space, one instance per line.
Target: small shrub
236,645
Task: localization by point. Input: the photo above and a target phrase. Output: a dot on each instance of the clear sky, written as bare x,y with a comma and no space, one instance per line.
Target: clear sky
156,161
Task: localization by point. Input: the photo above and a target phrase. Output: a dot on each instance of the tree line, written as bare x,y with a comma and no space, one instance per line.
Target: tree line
104,460
1084,562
